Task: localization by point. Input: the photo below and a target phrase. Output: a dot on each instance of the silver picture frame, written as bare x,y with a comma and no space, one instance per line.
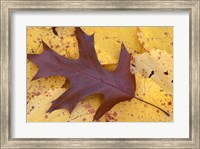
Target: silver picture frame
10,6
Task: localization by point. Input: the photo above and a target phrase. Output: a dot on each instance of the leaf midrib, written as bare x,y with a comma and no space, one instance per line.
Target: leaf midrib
91,76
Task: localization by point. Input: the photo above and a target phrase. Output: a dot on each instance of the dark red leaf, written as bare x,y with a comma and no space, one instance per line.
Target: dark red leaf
87,76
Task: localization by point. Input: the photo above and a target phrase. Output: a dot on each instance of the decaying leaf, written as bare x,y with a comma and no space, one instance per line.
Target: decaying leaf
156,64
62,40
38,106
65,41
34,39
108,42
87,76
156,38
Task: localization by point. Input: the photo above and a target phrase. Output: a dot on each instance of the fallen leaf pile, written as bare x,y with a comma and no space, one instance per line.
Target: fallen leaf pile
57,74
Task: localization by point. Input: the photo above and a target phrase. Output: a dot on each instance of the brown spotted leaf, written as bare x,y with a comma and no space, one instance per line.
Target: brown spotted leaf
87,76
156,64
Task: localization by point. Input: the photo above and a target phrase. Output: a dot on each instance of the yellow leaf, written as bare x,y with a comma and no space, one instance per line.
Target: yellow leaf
34,39
137,111
156,37
64,44
68,42
157,65
108,42
38,106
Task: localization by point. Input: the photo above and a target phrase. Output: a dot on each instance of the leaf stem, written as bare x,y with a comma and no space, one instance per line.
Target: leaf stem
152,105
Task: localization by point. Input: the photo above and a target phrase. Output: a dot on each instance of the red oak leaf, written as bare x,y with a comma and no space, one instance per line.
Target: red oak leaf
87,76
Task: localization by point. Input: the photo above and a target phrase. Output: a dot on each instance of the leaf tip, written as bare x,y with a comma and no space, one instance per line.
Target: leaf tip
94,119
78,30
29,56
35,77
45,46
50,109
123,49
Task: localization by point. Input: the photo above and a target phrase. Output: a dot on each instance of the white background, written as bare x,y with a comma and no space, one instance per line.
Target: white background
177,129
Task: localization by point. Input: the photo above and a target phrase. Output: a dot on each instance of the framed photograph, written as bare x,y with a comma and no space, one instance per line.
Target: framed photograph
100,74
